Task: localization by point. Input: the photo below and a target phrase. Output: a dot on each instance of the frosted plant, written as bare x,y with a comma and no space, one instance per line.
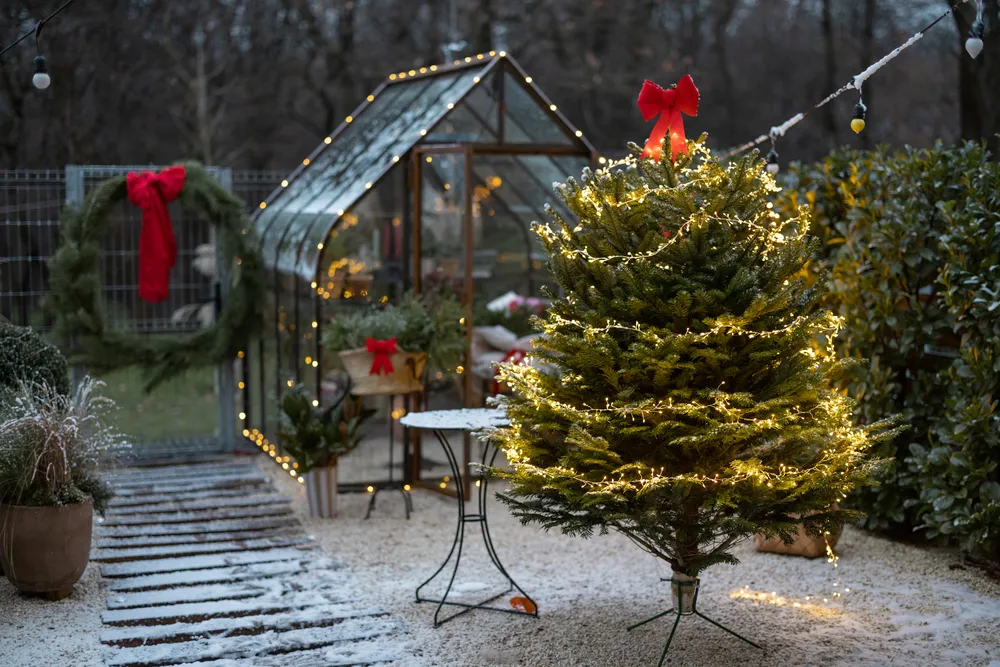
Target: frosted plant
52,445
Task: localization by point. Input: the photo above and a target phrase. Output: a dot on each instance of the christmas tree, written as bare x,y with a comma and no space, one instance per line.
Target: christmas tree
681,392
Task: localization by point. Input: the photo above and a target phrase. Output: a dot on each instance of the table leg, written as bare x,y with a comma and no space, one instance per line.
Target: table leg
459,540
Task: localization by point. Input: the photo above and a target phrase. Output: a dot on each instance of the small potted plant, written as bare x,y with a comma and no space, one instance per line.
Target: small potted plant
316,438
51,446
386,348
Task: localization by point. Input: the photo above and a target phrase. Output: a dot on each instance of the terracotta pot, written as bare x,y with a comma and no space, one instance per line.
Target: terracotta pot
321,490
46,549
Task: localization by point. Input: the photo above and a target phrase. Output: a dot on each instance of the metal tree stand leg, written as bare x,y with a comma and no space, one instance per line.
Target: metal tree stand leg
459,541
694,611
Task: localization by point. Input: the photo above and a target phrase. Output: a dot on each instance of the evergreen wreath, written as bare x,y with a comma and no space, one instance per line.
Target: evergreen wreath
76,299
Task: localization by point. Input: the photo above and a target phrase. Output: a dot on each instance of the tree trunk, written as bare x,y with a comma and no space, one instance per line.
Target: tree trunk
830,74
867,58
979,79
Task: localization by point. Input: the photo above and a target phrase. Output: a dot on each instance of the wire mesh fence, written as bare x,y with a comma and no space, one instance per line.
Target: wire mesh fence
31,202
190,416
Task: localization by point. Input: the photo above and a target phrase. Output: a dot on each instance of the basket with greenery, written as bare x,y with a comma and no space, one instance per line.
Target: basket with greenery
317,436
385,348
51,446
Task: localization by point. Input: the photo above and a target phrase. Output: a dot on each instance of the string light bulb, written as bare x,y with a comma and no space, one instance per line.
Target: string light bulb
974,44
41,80
773,166
860,112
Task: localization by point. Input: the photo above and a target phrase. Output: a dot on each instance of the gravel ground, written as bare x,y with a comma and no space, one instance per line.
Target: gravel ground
38,633
905,605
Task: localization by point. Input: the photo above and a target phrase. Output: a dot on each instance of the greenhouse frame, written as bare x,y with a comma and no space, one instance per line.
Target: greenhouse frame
436,176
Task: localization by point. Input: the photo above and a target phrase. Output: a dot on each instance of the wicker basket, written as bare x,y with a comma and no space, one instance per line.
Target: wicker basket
406,378
804,544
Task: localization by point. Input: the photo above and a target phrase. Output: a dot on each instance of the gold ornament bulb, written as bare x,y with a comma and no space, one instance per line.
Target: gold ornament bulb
858,125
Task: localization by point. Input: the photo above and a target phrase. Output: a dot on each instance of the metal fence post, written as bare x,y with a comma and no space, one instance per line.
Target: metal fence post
74,199
226,381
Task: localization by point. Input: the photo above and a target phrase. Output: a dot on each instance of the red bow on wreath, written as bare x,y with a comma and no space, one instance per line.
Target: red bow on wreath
669,105
157,247
381,361
514,357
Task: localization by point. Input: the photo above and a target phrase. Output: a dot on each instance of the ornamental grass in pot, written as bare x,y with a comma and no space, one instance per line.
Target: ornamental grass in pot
386,348
51,446
316,437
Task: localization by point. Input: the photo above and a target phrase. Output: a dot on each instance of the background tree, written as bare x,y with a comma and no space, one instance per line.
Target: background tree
689,406
258,84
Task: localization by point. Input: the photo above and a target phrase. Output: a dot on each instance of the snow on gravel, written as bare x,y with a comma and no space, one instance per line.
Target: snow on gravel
38,633
905,606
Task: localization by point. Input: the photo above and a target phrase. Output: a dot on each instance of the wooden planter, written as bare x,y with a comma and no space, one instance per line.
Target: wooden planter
406,378
321,490
45,550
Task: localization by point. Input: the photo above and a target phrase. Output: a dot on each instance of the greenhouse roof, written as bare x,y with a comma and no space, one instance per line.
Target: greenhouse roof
490,105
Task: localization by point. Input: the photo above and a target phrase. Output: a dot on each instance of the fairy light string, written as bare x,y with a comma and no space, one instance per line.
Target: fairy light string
856,83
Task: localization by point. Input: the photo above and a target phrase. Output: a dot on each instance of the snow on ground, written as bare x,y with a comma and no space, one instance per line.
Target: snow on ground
905,606
38,633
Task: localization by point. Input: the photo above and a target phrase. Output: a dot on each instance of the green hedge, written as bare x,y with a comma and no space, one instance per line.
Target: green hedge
26,357
911,260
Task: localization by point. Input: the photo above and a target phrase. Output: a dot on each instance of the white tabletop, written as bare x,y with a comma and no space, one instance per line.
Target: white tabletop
464,419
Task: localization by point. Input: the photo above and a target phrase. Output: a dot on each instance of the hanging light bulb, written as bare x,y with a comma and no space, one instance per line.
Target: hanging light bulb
860,111
773,166
974,44
41,80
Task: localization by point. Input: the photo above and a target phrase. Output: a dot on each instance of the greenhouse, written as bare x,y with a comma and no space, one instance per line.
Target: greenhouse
436,179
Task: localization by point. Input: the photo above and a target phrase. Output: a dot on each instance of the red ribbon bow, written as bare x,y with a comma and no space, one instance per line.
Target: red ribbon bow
381,361
669,104
157,247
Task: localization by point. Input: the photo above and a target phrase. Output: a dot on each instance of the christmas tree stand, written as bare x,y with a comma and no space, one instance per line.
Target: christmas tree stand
684,590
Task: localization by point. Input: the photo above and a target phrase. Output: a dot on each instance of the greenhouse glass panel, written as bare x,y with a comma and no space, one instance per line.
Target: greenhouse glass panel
273,222
510,194
526,121
297,222
476,119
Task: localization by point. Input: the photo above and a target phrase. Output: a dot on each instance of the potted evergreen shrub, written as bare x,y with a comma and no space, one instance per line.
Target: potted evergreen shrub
386,348
316,438
51,445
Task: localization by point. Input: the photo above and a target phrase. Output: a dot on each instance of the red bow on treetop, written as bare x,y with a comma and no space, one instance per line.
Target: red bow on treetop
669,105
381,361
157,247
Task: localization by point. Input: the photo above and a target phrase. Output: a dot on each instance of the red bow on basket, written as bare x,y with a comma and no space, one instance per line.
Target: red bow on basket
669,105
514,357
381,361
157,247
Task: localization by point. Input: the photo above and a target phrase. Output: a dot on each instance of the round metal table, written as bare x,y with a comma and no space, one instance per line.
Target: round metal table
439,421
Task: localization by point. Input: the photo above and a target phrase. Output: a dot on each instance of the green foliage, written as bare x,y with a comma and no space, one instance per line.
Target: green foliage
429,323
26,358
51,446
691,407
317,437
76,288
913,253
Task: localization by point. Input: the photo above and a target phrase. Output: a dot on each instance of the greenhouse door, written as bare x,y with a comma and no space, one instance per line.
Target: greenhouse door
193,415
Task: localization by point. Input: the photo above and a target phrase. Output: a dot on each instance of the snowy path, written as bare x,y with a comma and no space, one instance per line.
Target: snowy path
206,566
